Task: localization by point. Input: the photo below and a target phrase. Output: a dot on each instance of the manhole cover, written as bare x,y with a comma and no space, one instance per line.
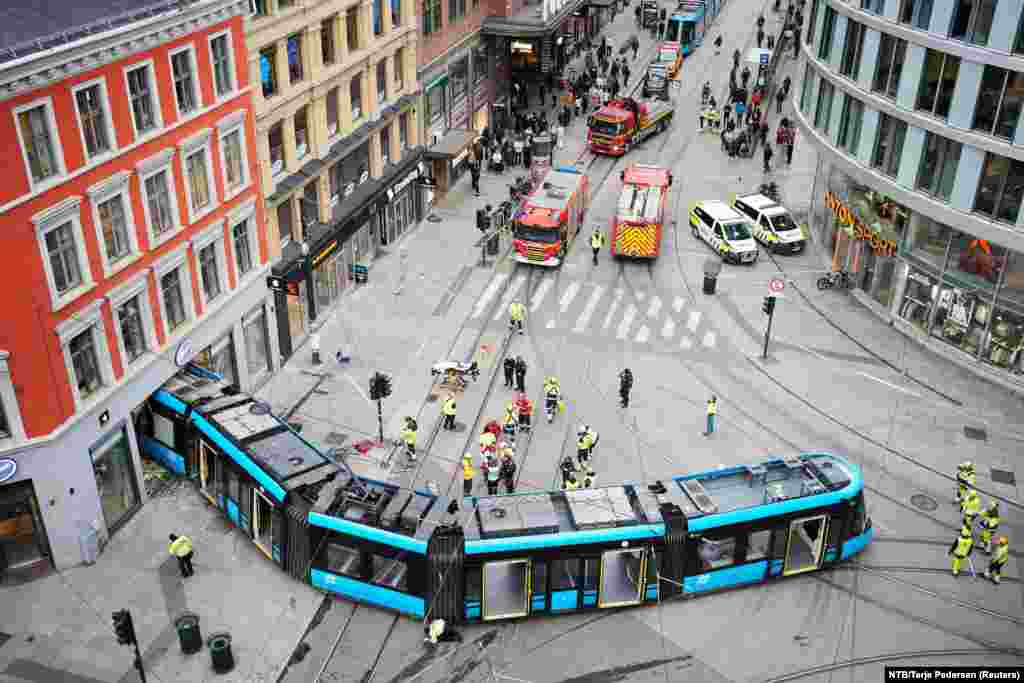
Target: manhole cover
459,427
336,438
4,637
1003,477
923,502
975,433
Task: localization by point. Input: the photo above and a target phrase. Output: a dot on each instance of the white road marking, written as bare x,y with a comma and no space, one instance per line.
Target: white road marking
655,307
358,388
488,294
542,291
678,304
611,311
669,328
551,324
685,343
570,293
694,320
709,339
627,320
588,310
890,384
643,335
510,294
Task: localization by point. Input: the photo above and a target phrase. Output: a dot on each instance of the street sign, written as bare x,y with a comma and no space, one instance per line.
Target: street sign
776,285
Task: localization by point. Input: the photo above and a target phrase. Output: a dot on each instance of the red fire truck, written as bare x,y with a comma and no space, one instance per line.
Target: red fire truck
550,217
643,205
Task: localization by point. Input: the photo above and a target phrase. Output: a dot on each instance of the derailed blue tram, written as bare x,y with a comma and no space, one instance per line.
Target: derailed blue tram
511,556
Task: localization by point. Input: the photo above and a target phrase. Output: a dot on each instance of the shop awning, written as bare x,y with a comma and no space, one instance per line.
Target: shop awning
452,144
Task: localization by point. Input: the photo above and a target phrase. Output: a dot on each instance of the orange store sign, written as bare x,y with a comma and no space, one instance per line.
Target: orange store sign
879,244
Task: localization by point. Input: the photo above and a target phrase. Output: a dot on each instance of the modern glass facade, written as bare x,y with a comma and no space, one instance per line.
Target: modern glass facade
915,109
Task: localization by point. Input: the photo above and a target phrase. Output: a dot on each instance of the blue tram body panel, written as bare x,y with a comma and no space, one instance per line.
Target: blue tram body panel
163,455
726,578
562,601
566,539
858,543
368,593
381,536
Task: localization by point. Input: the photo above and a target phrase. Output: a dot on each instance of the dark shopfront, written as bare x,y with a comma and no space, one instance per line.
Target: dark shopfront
309,279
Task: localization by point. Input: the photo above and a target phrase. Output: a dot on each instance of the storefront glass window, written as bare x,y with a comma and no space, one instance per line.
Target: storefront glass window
219,357
458,79
1001,188
479,63
115,478
1012,289
297,316
975,264
350,172
927,241
1005,340
435,103
257,348
525,55
938,165
918,299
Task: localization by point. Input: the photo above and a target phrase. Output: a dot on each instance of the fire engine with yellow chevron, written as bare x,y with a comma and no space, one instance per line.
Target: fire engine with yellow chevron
643,205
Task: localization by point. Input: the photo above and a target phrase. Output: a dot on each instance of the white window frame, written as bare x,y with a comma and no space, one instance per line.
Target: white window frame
58,148
146,169
231,66
200,142
197,91
175,259
154,91
233,123
9,400
247,213
89,319
107,118
69,210
136,286
115,186
212,235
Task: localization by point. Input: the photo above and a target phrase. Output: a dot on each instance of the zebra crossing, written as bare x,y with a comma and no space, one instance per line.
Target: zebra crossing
587,308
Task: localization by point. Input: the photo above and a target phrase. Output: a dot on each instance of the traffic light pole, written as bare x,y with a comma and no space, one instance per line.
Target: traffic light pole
768,333
380,421
138,663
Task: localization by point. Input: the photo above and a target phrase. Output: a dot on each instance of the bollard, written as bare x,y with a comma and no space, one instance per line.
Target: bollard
189,636
712,267
314,345
220,652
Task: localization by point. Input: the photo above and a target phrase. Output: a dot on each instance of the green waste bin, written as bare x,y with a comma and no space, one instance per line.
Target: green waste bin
220,652
187,626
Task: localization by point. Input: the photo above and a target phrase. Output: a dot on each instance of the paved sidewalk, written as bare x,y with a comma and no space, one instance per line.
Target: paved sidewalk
60,627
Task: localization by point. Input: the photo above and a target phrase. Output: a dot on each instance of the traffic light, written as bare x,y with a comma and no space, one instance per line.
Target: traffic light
380,386
123,627
769,305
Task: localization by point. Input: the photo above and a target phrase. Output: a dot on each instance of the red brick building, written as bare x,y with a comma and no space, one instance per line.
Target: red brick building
134,241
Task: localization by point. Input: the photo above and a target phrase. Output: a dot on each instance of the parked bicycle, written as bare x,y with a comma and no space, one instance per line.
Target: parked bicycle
839,279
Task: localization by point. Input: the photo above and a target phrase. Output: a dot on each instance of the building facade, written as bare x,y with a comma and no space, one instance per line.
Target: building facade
338,137
135,242
915,107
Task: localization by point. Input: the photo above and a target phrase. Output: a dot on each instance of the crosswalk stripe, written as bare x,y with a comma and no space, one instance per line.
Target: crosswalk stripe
568,296
611,310
542,291
669,328
677,305
685,343
588,310
551,324
643,335
693,321
652,312
510,294
709,339
627,320
485,298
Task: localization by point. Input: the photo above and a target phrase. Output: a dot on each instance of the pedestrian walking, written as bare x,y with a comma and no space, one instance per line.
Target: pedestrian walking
181,548
568,468
517,313
596,242
636,14
760,37
493,475
625,386
767,158
712,414
989,524
448,411
625,73
520,374
796,43
745,76
780,97
961,550
468,473
509,365
524,408
736,58
790,142
661,30
998,561
508,471
408,434
474,174
615,69
771,42
786,83
636,46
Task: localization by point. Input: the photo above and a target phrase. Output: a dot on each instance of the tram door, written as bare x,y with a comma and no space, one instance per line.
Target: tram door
207,457
622,577
506,589
805,545
263,523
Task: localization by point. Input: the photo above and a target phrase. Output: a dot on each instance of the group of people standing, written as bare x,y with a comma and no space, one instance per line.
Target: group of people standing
988,522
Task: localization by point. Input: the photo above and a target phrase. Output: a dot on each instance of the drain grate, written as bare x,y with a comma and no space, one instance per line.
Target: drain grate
1003,477
923,502
336,438
975,433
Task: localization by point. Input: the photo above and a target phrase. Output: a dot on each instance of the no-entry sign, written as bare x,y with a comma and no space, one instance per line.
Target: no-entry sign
776,285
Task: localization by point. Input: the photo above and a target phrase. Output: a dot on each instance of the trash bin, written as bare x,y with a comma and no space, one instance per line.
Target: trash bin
712,267
492,245
220,652
187,626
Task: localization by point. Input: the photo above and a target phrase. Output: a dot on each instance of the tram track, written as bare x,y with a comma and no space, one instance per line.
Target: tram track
325,675
913,569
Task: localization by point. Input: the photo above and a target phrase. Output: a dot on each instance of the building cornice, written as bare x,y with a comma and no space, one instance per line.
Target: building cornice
56,65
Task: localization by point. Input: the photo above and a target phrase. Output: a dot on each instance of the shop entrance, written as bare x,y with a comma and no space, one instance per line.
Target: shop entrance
24,550
263,523
161,454
806,541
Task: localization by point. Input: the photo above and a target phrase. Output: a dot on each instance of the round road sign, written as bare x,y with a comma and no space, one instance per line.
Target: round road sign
776,285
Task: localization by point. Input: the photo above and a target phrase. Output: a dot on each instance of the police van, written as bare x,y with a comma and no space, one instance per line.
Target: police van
771,224
725,231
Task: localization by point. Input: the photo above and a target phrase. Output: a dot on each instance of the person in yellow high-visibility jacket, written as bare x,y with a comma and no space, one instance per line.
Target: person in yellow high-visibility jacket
467,475
448,410
517,313
971,507
712,413
596,242
961,550
409,437
989,524
965,479
181,548
998,561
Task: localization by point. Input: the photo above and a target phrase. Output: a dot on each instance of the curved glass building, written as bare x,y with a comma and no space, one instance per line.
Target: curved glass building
915,107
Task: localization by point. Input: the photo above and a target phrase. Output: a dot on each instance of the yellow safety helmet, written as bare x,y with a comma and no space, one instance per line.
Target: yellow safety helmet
1003,540
467,458
993,506
965,531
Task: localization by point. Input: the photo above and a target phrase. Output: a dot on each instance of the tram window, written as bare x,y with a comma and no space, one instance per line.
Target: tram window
343,559
716,553
390,572
759,544
163,430
539,583
835,527
859,516
231,476
564,574
654,560
216,475
591,567
474,583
